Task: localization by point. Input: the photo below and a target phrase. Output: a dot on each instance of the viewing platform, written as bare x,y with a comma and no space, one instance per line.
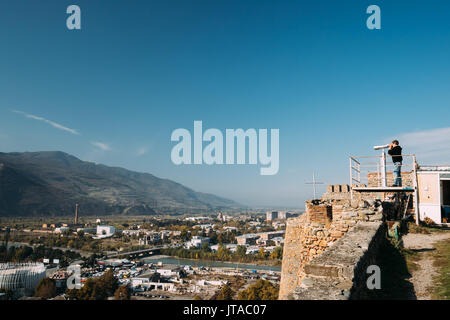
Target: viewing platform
373,177
383,189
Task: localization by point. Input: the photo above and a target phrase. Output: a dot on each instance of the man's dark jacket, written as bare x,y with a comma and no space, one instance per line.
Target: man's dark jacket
396,152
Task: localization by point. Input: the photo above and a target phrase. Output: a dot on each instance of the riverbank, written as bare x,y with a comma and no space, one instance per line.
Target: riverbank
226,256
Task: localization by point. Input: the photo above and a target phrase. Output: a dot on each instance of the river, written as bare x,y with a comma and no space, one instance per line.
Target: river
208,263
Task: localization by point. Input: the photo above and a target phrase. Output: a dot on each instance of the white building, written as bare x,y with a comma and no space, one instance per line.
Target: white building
105,231
252,249
197,218
230,229
278,241
205,227
278,225
197,242
230,246
217,283
133,233
281,215
61,229
170,272
433,188
224,217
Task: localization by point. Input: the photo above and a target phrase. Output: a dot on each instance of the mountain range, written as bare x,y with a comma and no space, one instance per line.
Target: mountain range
50,183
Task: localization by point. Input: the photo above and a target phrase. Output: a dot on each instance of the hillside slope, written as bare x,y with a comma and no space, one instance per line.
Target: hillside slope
50,183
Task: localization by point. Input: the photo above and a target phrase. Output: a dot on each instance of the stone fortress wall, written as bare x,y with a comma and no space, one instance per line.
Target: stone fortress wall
328,248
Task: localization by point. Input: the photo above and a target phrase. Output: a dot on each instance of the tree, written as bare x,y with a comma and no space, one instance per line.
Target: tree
63,263
95,289
223,253
87,291
45,289
185,235
277,253
122,293
108,282
262,253
241,251
226,293
91,261
260,290
22,253
212,237
205,247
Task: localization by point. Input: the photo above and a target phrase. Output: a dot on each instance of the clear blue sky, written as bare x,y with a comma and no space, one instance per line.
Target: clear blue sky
137,70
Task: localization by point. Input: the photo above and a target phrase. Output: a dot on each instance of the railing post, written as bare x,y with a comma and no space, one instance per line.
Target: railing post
351,178
416,192
359,173
378,175
383,169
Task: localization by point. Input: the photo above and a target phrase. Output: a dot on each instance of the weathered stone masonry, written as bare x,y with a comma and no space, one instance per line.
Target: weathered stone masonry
327,249
340,273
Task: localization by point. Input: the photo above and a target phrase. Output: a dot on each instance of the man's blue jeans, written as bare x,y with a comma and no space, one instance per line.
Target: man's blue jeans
397,174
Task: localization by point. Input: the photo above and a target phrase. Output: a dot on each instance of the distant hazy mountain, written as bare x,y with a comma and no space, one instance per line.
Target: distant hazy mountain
50,183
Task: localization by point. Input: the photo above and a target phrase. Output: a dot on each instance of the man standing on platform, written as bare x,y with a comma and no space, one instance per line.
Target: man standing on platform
396,152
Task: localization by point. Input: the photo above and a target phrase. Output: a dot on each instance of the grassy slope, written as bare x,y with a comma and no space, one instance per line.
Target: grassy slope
397,265
441,256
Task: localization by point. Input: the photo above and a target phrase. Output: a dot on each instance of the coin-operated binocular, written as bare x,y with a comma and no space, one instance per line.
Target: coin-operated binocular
381,147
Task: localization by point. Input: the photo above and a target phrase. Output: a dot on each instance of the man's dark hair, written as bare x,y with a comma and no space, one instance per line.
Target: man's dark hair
395,142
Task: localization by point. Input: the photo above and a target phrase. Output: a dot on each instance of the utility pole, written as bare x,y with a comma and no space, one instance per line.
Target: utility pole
76,213
314,183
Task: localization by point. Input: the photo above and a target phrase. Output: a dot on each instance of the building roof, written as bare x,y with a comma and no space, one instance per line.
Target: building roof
248,235
434,168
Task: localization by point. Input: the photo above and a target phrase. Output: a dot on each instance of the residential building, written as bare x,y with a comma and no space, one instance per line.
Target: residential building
272,234
271,215
249,238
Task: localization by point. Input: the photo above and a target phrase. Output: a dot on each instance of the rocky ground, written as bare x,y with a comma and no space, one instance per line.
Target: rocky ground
423,244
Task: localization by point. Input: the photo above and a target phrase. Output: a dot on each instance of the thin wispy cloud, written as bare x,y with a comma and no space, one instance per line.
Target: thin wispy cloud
102,146
141,151
50,122
432,145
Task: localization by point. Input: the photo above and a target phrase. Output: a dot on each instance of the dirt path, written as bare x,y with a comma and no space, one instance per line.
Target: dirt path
422,279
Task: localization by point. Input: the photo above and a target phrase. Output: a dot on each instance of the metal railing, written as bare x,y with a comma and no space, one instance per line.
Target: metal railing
372,171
